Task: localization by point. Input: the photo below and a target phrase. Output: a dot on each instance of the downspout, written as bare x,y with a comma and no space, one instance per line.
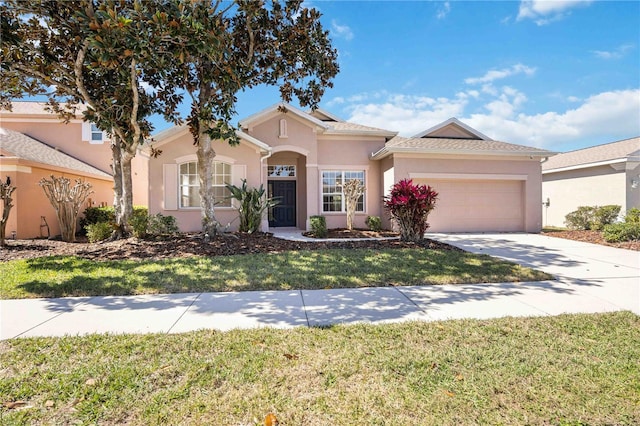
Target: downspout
265,221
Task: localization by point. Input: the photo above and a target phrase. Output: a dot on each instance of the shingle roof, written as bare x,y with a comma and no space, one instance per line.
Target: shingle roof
344,126
457,146
33,108
27,148
595,154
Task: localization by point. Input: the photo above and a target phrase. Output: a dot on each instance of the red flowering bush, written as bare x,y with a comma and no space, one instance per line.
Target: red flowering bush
409,205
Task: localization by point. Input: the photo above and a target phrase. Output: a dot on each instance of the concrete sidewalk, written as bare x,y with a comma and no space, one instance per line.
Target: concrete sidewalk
590,279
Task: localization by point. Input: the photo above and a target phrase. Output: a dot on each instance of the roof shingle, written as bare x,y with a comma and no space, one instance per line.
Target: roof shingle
27,148
594,154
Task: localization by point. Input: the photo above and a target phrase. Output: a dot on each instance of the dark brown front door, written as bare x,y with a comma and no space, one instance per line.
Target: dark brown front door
284,214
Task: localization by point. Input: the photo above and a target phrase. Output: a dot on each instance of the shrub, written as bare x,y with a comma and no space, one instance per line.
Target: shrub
633,215
139,222
374,223
99,231
605,215
580,219
94,215
252,205
619,232
162,225
588,217
319,226
409,205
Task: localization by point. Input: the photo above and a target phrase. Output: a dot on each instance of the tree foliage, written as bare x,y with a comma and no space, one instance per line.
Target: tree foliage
409,205
127,59
93,57
222,48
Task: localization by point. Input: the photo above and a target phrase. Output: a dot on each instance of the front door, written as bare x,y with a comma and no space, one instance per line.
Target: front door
284,214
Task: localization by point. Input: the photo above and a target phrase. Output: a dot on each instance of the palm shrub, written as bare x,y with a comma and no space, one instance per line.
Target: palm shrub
409,205
252,204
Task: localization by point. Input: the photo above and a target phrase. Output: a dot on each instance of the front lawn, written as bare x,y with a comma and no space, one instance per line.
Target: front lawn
59,276
565,370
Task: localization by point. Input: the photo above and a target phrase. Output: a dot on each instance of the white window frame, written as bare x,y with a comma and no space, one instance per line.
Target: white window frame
95,131
197,185
343,208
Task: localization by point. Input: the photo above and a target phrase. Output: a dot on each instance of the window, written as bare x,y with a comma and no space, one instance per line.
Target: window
190,184
332,196
96,134
281,171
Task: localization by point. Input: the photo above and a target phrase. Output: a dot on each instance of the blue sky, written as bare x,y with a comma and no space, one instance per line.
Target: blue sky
559,75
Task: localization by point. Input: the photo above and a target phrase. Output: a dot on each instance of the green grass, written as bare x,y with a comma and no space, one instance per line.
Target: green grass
565,370
73,276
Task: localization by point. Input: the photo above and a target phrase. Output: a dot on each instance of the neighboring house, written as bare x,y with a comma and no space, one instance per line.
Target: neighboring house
36,144
302,158
595,176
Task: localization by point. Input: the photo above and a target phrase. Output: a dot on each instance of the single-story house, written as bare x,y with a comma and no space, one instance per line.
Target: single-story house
596,176
35,144
303,157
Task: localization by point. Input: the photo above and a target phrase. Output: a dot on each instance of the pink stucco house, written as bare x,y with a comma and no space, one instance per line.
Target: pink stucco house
36,144
302,157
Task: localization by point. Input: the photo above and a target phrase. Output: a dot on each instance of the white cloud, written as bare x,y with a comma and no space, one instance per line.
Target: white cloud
616,53
604,117
493,75
543,12
343,31
443,10
573,99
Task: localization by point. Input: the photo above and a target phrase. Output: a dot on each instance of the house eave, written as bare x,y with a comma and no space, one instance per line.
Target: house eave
386,151
585,166
381,133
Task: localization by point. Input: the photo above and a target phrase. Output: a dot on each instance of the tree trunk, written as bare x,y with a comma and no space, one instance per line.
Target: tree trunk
206,154
67,221
5,193
122,188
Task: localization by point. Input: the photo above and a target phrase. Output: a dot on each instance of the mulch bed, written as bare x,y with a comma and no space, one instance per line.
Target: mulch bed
355,233
192,244
188,244
594,237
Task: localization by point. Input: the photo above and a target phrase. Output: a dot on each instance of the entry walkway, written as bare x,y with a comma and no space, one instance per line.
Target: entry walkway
590,279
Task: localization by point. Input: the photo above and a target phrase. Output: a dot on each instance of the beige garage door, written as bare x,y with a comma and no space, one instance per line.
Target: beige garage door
477,206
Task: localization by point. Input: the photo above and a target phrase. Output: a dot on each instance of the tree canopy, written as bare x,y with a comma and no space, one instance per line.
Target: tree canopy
125,60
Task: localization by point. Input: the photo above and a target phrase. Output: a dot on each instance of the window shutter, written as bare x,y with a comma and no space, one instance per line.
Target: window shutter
86,131
170,185
238,172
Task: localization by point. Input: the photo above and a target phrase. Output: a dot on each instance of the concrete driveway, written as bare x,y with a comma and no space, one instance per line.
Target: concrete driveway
608,273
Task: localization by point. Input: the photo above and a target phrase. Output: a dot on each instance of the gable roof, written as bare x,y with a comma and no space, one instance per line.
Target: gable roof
266,113
433,141
174,132
456,146
453,122
325,122
27,148
614,152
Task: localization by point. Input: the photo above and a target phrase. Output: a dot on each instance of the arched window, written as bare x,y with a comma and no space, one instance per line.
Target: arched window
189,184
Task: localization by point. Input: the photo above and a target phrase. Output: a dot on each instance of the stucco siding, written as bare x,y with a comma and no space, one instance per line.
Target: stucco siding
245,163
593,186
31,202
517,179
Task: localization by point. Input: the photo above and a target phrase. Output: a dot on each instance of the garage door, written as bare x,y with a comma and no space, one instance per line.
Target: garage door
477,206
